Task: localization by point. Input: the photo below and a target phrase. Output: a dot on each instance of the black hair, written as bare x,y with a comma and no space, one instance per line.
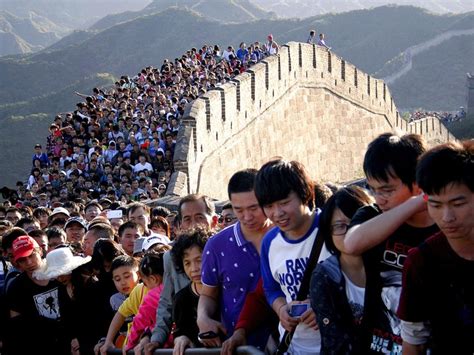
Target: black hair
152,264
91,204
449,163
124,260
278,178
127,225
102,230
242,181
348,200
322,193
197,236
39,211
37,233
210,207
227,206
56,232
395,156
10,236
26,220
161,222
160,211
105,250
135,206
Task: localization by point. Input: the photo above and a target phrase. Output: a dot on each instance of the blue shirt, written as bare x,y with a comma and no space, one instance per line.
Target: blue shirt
231,263
242,54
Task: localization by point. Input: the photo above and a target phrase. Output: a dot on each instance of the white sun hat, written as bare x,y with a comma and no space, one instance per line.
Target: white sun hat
59,262
154,239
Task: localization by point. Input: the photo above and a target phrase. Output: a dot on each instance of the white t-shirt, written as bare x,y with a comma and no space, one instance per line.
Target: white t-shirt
283,263
355,297
139,167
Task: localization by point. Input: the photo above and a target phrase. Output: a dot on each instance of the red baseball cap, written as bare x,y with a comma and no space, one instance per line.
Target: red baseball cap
23,246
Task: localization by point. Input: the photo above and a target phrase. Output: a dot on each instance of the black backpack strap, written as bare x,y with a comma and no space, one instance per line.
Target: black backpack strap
304,288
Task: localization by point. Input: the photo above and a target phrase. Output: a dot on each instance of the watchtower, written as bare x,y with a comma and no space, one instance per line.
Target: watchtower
470,94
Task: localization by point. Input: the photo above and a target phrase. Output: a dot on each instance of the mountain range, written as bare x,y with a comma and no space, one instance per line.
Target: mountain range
36,86
28,26
308,8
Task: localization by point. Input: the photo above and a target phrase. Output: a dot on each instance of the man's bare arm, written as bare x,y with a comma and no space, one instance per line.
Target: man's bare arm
367,235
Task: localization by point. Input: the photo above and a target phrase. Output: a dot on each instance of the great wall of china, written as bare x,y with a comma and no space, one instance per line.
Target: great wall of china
305,104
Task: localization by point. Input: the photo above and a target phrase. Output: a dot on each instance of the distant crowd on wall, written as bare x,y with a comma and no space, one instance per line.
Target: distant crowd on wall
446,117
290,266
119,142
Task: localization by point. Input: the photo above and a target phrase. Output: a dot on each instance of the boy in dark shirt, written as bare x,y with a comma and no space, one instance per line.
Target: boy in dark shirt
383,233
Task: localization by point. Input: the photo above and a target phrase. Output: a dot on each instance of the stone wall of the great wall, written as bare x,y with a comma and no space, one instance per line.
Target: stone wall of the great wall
305,104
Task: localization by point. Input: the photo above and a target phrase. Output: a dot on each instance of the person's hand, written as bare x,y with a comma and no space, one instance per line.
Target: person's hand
180,344
138,350
309,318
151,346
237,339
210,325
287,322
97,346
107,345
75,346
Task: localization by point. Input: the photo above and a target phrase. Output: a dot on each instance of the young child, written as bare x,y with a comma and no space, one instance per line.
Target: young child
187,256
125,276
151,273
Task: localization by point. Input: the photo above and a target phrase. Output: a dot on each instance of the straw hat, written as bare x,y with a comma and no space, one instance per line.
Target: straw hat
59,262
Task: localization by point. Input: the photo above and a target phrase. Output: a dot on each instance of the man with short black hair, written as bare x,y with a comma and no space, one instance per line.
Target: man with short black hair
437,300
142,165
384,233
41,156
227,215
92,210
13,215
94,233
231,262
285,192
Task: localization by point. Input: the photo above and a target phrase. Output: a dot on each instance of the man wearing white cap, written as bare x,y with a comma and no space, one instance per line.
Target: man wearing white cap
59,212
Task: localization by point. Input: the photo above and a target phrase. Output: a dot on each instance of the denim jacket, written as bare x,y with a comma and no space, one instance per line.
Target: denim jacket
339,334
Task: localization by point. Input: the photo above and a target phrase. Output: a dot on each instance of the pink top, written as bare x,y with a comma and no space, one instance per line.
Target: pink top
145,318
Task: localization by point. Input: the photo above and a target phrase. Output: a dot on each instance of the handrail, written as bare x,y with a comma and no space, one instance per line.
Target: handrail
241,350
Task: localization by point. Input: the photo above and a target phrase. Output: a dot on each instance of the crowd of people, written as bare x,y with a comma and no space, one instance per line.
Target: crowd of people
119,142
290,266
446,117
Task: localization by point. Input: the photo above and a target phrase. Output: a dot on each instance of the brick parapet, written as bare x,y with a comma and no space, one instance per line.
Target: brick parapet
271,94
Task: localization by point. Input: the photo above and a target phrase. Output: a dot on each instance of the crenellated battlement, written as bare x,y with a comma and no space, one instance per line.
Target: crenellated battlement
306,103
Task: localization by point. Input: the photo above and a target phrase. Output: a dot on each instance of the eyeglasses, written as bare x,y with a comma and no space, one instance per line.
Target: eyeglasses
385,192
227,219
339,228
